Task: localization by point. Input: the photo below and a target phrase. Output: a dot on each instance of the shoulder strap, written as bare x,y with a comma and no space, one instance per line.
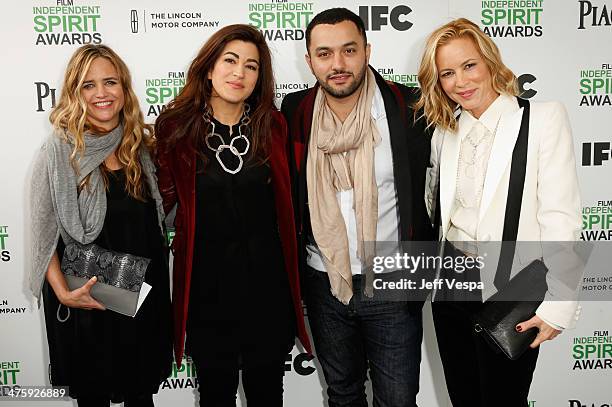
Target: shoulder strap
513,202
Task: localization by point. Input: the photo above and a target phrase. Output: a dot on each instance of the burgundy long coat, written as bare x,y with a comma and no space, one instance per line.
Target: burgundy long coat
176,178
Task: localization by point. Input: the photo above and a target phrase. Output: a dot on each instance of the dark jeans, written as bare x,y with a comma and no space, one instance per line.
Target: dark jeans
476,375
262,384
380,335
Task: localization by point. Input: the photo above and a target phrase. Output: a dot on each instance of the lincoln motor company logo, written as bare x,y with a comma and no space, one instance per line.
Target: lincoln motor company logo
143,21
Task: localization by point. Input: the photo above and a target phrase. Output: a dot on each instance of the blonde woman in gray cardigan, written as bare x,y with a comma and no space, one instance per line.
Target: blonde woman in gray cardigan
94,182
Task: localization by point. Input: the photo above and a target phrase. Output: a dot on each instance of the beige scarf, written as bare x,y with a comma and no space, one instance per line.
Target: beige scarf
340,158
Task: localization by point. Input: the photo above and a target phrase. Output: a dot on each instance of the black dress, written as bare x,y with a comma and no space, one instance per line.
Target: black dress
104,354
240,309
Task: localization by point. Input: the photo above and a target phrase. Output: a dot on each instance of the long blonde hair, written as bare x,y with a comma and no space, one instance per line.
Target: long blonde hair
437,107
70,116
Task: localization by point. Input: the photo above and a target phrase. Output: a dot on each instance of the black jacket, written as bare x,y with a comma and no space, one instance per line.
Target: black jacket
410,145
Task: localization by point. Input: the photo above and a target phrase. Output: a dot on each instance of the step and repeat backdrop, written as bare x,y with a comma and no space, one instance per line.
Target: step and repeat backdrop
559,49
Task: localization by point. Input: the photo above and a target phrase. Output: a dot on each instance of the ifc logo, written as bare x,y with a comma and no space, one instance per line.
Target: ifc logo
375,17
595,153
526,92
299,364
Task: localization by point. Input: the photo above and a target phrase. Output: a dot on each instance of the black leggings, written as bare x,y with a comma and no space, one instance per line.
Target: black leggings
263,385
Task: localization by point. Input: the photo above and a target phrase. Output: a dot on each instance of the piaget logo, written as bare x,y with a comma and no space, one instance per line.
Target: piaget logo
407,79
45,96
160,91
594,14
67,24
508,18
592,352
596,86
281,20
578,403
597,221
183,376
5,254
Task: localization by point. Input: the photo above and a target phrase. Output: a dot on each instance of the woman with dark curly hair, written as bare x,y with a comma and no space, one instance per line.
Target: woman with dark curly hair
222,160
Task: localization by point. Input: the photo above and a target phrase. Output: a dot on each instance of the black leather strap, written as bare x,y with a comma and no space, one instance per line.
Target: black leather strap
513,202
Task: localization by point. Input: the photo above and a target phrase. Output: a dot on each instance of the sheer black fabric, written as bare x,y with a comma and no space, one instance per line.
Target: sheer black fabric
240,309
103,354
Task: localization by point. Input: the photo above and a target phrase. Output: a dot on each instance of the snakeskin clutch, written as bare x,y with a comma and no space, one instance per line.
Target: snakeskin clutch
120,275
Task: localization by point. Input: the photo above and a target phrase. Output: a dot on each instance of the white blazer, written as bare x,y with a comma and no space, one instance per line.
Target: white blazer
550,209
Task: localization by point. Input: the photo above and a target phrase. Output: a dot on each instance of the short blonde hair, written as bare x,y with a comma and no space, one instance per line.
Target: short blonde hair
70,114
438,108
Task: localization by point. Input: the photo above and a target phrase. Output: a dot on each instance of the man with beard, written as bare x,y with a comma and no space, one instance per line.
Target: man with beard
358,162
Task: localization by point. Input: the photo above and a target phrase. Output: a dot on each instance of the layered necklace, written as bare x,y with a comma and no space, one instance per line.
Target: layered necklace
238,146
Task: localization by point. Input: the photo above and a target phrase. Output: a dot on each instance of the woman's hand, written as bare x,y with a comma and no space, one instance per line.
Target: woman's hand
546,332
81,297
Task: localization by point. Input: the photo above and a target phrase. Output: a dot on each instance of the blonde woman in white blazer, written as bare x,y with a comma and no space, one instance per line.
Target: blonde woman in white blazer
462,72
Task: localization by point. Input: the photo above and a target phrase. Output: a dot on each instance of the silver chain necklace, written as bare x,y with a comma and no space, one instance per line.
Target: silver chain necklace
245,120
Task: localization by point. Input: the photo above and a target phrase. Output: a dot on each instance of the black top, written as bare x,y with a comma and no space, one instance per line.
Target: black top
240,308
103,353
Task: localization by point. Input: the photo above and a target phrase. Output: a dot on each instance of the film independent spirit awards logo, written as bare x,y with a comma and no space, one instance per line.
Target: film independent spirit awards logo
281,20
5,253
595,86
185,376
512,18
9,377
67,22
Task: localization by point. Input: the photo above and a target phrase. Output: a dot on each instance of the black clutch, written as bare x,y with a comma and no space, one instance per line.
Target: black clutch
120,275
515,303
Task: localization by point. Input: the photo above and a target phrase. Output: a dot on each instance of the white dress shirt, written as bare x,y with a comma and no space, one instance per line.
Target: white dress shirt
471,171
